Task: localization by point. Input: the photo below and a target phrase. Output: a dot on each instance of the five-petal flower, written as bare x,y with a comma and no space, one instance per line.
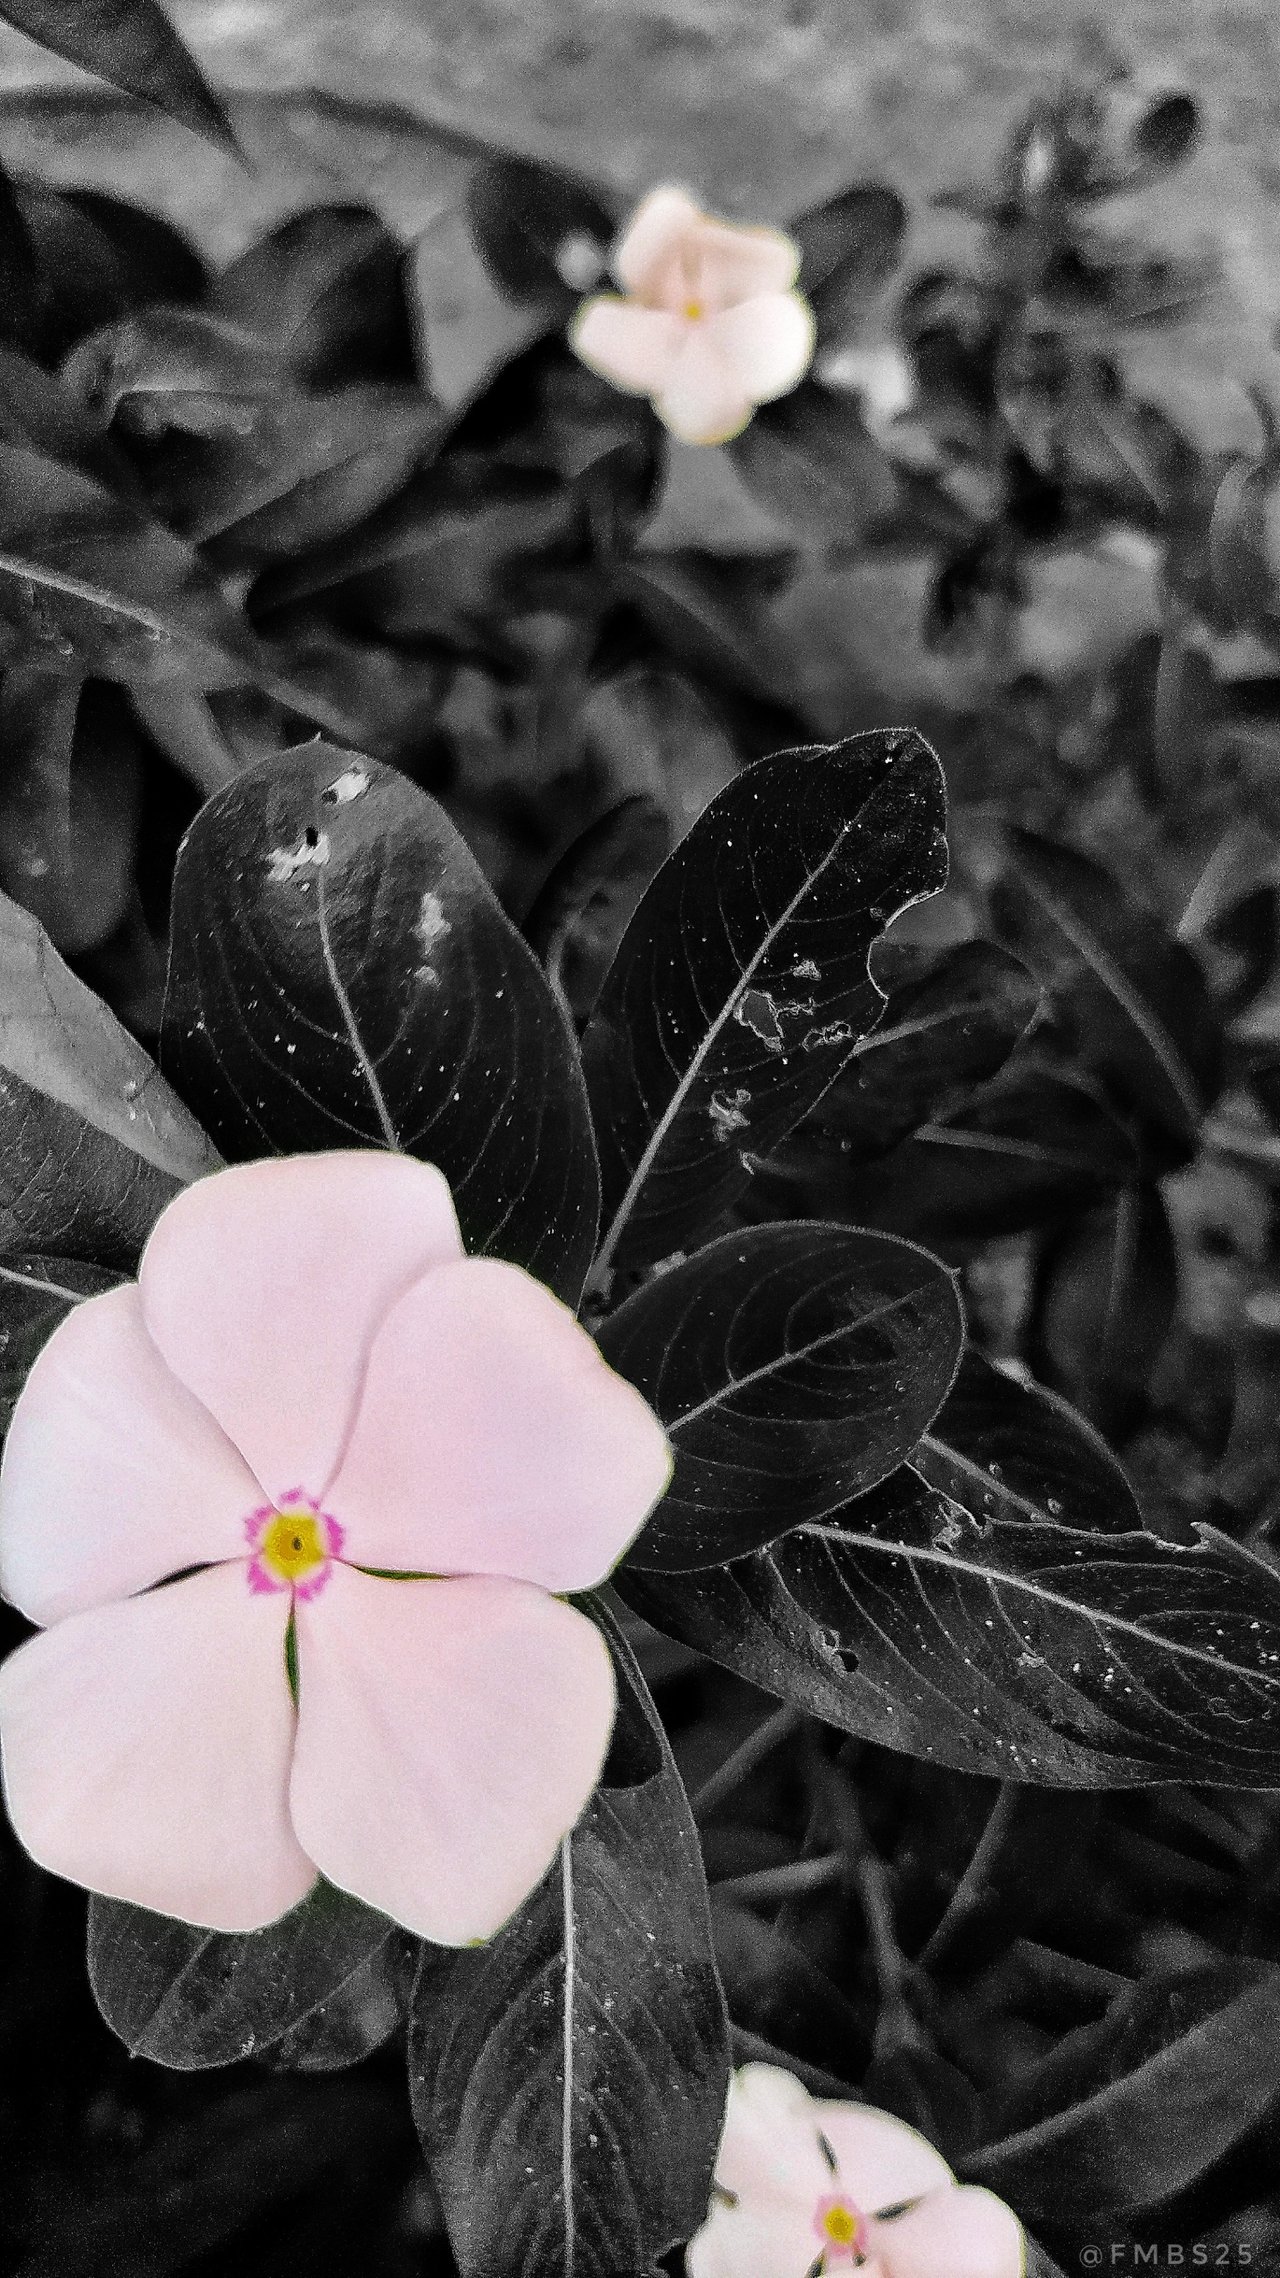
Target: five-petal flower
708,324
315,1433
805,2186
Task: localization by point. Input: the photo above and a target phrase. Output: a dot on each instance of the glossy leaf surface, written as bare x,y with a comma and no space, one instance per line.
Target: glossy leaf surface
741,988
579,2061
342,976
793,1366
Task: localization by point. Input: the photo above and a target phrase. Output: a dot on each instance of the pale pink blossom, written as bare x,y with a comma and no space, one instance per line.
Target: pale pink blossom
314,1437
805,2186
707,326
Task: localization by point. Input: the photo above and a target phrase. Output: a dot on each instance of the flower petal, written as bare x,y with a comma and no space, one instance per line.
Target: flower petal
493,1438
649,253
962,2232
449,1735
737,261
753,2240
146,1752
633,346
701,400
263,1287
766,343
770,2149
113,1475
880,2161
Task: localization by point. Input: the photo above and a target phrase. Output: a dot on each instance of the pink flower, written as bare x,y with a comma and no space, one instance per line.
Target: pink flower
709,327
804,2186
310,1391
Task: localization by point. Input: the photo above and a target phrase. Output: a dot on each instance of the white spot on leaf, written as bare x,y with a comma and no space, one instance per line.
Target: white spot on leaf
351,784
310,853
431,929
727,1111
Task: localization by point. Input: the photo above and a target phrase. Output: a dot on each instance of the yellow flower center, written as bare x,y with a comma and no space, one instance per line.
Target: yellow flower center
292,1545
693,310
841,2224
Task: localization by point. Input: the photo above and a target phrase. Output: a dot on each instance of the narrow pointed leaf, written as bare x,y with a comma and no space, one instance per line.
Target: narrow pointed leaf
1129,2111
849,249
998,1606
1106,1300
793,1366
544,237
742,988
1136,998
328,288
1035,1145
342,975
89,577
93,1142
950,1024
569,2077
132,44
68,819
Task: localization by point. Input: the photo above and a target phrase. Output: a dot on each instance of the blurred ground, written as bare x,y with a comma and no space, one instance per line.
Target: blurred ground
762,105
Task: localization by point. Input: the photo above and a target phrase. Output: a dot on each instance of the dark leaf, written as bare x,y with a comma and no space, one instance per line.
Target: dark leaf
309,468
742,985
812,458
998,1606
193,1998
586,902
1135,997
1106,1296
19,281
1129,2111
99,257
849,249
92,1141
252,2159
132,44
543,236
793,1367
154,261
40,412
654,731
175,370
341,975
86,575
237,457
36,1293
96,258
441,559
569,2077
705,609
774,1988
952,1019
69,811
328,289
1136,138
1036,1145
1239,559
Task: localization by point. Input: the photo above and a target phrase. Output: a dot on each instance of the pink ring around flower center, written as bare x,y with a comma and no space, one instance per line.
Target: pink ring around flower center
841,2226
294,1544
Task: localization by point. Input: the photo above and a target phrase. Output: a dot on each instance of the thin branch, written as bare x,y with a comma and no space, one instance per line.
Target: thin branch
972,1887
865,1870
773,1883
750,1752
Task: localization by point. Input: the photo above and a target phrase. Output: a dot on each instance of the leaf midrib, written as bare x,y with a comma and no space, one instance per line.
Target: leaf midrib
850,1328
998,1579
617,1225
